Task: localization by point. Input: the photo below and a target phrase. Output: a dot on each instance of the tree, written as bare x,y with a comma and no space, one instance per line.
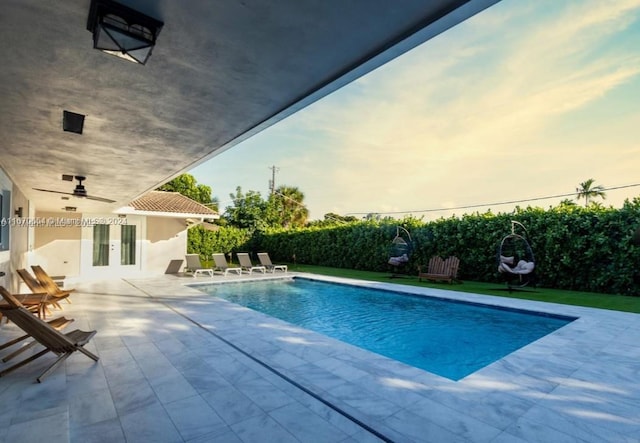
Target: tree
587,190
567,202
186,185
248,210
332,216
286,207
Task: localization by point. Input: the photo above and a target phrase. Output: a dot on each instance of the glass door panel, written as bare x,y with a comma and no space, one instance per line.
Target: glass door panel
101,245
127,245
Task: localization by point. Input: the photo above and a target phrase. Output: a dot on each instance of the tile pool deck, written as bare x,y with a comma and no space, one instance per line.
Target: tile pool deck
180,366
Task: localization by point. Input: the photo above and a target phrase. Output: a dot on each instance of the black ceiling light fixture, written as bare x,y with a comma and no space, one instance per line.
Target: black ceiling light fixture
121,31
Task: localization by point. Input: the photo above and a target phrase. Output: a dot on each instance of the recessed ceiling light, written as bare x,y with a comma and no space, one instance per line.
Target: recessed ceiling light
72,122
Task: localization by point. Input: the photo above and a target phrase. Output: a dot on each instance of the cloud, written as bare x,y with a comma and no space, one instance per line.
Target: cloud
525,99
463,121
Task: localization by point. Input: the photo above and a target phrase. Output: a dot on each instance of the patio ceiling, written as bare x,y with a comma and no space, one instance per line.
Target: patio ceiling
221,71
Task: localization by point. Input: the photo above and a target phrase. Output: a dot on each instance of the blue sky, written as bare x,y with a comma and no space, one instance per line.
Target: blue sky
524,100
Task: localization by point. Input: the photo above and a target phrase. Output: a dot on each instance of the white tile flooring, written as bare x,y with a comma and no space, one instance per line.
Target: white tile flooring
179,366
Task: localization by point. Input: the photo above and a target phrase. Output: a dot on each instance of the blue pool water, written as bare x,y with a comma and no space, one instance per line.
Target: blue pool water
447,338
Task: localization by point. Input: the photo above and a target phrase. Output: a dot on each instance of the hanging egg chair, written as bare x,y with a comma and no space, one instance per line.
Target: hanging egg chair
400,250
516,262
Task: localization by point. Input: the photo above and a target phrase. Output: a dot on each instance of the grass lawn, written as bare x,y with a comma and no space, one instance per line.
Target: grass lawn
578,298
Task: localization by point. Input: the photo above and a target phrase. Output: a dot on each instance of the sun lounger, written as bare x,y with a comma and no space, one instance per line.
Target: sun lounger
63,345
222,266
265,261
194,265
36,303
54,294
50,285
246,265
57,323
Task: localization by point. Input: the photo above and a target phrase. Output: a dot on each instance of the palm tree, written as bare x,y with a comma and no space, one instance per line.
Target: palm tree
288,202
587,190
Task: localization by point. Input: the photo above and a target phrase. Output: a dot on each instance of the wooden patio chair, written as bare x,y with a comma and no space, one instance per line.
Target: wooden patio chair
10,299
50,285
54,295
265,261
63,345
441,270
35,303
58,324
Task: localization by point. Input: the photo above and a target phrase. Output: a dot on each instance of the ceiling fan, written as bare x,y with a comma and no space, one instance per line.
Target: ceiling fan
79,190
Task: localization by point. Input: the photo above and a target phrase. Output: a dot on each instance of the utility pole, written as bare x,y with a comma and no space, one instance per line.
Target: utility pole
272,182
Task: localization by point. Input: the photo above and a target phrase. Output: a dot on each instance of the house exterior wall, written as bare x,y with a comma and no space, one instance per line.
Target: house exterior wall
14,236
20,237
166,240
65,248
5,253
112,266
56,245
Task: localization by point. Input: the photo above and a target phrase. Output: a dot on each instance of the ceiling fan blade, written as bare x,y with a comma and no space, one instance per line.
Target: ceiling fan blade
100,199
89,197
55,192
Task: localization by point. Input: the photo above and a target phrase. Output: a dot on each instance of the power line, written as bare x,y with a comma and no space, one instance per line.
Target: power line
510,202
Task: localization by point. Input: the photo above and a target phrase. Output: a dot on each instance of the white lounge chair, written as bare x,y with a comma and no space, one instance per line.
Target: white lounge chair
222,266
246,265
265,261
194,265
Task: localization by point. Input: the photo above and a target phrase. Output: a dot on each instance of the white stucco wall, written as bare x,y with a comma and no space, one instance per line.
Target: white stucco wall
15,238
57,247
68,250
166,240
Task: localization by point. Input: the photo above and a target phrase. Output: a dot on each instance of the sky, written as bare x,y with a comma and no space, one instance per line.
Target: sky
522,101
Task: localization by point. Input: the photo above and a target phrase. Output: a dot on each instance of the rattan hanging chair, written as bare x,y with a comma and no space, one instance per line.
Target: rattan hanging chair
400,250
516,262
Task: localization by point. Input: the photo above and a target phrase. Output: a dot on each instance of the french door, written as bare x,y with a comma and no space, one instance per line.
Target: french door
112,249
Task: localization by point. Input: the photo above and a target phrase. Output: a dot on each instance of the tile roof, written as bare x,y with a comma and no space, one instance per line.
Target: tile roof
162,201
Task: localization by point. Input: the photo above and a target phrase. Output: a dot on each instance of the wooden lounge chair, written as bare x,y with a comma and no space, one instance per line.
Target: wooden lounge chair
57,323
54,294
50,285
11,300
63,345
194,265
222,266
265,261
36,303
440,270
247,266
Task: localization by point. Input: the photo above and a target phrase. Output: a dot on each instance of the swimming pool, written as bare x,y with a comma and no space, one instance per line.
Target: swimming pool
451,339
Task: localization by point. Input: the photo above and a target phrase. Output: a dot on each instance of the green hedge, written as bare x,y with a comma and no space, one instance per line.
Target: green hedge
587,249
225,239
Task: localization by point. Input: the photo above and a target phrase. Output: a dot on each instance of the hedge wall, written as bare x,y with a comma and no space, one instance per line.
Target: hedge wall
590,249
226,239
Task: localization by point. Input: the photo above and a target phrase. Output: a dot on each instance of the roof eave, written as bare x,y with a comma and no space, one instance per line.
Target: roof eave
128,210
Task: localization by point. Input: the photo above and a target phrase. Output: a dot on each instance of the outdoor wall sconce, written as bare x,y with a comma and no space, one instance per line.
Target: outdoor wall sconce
121,31
18,212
